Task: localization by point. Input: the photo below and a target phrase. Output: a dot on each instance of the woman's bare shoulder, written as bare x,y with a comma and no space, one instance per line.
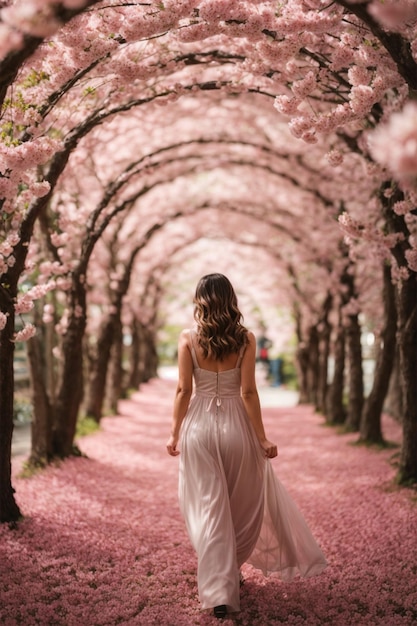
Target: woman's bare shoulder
251,337
185,336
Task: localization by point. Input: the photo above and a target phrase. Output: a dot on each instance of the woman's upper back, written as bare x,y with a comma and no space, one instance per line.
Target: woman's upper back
231,361
191,359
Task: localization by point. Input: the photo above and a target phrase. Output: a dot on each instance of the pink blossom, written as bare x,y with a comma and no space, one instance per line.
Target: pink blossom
32,17
286,104
300,126
57,352
394,15
40,189
27,155
403,207
362,98
64,283
394,144
350,226
6,248
10,39
411,256
7,187
48,313
334,157
359,75
3,320
24,304
38,291
26,333
343,56
399,273
303,88
309,136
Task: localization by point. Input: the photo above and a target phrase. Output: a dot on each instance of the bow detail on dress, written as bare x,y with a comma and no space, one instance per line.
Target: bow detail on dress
212,399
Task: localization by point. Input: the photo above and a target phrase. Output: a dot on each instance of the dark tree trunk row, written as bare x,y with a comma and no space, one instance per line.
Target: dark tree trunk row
406,300
98,369
407,340
9,510
355,374
42,418
370,427
56,406
134,378
358,416
115,386
313,359
336,413
324,354
313,365
393,404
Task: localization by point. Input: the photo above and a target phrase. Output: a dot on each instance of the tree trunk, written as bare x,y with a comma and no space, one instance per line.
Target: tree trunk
41,449
301,355
406,290
356,391
370,426
108,334
99,367
9,510
70,393
407,342
149,368
336,413
324,351
394,400
134,358
116,370
313,366
51,374
307,359
302,363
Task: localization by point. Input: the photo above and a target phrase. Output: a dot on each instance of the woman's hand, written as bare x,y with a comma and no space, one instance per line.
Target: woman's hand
172,446
270,449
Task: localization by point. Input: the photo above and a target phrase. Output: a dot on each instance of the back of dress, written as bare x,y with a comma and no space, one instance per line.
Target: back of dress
221,482
234,507
216,386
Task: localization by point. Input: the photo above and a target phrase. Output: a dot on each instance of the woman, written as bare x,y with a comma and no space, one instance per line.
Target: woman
235,509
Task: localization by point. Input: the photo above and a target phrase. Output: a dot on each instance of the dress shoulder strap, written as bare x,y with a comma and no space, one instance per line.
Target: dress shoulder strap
193,352
240,357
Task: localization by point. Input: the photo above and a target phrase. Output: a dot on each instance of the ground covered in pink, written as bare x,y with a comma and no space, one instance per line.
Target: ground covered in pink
103,542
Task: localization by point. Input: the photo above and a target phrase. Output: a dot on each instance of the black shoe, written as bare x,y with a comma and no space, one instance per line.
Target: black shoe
220,611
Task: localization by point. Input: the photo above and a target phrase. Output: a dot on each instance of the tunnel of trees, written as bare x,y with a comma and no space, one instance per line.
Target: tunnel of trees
144,142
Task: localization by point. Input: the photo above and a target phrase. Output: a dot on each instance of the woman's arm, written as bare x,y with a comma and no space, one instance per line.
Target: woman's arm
251,398
183,392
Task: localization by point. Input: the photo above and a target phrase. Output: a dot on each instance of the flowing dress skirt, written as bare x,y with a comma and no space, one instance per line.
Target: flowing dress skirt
235,508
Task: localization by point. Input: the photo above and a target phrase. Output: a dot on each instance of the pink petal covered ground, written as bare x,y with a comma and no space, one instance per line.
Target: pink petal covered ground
103,542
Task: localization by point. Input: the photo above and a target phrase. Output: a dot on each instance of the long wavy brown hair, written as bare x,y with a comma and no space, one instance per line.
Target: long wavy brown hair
219,321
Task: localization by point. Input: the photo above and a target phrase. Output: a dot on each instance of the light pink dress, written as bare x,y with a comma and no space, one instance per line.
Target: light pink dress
234,507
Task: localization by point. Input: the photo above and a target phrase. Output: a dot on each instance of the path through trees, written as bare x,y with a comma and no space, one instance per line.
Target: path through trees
103,543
